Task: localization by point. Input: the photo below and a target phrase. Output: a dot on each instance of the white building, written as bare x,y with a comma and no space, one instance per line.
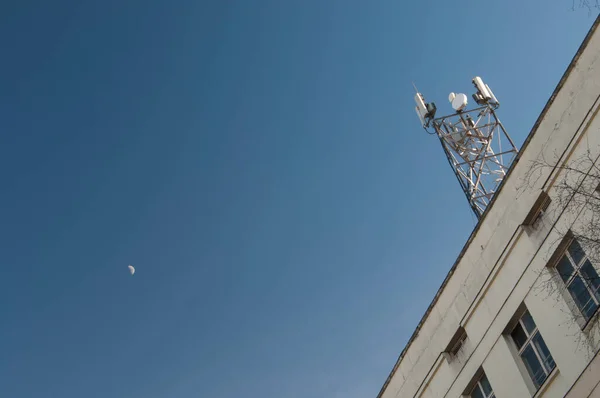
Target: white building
517,315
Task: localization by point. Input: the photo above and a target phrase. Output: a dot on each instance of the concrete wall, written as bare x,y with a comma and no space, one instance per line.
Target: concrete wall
505,265
588,384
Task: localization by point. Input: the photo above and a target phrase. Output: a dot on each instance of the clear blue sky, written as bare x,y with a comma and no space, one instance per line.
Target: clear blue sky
261,165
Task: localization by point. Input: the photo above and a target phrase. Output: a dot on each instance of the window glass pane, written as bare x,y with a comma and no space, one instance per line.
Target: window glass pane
591,277
519,336
543,352
589,308
485,385
476,393
576,252
580,294
528,322
564,268
535,369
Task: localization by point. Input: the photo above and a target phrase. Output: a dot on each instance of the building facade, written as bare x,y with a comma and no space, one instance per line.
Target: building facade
517,316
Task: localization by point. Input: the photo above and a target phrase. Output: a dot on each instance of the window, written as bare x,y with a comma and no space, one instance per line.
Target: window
482,389
455,350
457,341
580,278
532,349
537,210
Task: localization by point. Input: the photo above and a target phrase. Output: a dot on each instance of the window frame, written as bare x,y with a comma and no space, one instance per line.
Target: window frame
529,342
576,266
478,386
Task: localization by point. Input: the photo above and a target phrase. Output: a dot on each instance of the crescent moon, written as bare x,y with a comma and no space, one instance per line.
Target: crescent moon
131,269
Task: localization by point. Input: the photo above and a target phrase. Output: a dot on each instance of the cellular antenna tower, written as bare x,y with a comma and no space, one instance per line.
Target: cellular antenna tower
476,144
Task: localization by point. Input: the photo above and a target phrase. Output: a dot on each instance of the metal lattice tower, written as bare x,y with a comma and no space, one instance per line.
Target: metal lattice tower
474,141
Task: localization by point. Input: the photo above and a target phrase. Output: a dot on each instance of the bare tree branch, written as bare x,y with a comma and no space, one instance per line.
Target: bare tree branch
590,5
576,195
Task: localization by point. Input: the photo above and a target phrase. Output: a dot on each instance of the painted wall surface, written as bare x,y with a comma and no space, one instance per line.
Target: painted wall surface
505,267
588,384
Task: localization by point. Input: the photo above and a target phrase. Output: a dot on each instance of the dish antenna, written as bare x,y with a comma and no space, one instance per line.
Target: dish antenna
474,141
458,101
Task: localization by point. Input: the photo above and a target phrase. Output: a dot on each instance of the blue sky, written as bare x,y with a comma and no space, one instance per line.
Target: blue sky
261,165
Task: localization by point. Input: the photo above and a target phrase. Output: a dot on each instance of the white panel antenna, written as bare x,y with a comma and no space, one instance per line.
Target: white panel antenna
425,111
